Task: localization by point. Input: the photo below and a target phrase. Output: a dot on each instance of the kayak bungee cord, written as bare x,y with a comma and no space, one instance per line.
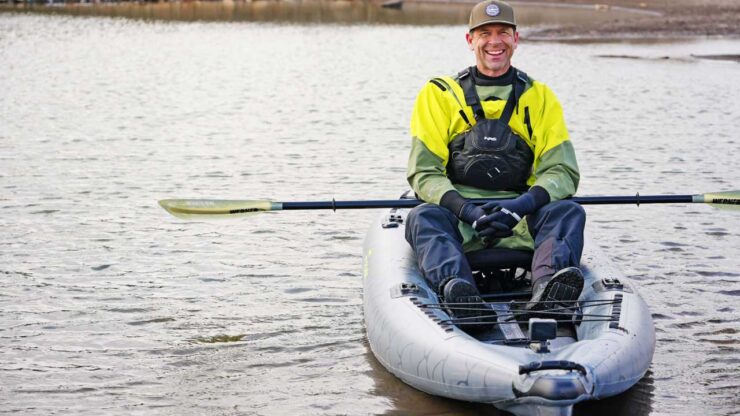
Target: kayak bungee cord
584,303
496,323
485,319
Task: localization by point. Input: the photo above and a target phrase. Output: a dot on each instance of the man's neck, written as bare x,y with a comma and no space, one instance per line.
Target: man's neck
503,79
492,73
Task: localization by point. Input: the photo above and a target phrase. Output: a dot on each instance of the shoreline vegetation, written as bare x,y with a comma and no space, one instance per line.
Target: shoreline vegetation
633,19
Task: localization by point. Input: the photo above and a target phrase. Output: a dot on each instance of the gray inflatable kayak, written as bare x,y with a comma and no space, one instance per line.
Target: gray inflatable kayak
599,347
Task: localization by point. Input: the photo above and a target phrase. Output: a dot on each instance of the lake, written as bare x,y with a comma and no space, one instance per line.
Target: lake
110,306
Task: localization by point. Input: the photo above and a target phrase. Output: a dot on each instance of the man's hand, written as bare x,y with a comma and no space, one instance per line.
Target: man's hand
463,209
470,213
502,216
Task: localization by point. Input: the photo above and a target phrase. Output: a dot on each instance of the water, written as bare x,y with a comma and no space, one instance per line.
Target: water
110,306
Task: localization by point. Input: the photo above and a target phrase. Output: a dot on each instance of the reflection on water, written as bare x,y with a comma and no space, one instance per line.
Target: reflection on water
331,11
636,401
408,401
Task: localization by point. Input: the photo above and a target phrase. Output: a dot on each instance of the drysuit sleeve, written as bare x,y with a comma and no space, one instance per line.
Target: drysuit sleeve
555,166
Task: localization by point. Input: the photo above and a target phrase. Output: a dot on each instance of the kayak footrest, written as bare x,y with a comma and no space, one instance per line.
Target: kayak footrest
507,323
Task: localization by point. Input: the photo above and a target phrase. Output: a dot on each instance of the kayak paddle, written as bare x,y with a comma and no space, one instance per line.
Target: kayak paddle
219,208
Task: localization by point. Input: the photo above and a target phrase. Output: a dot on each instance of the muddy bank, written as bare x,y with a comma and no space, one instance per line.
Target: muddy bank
652,19
670,19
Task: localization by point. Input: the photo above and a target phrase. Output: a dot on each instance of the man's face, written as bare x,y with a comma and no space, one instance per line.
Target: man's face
493,45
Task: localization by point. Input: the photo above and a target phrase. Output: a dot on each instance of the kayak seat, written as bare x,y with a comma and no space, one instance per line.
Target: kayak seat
499,270
499,259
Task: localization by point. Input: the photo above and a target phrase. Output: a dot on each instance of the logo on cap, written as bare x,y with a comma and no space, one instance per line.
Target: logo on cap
492,10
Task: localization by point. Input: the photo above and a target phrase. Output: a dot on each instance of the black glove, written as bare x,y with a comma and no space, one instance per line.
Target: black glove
470,213
463,209
505,214
474,214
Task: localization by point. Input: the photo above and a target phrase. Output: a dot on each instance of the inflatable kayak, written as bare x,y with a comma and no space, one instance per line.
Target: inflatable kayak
596,347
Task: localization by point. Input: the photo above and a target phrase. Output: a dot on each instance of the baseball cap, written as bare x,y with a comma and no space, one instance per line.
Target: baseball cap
491,11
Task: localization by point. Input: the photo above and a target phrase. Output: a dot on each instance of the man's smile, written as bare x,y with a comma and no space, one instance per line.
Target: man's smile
495,53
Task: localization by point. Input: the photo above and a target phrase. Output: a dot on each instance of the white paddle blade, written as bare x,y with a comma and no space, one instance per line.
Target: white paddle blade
216,208
722,200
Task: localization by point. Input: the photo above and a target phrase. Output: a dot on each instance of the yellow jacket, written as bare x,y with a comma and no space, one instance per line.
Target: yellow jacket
437,118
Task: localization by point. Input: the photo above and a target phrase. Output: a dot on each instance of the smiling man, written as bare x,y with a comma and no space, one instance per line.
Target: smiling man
494,43
492,131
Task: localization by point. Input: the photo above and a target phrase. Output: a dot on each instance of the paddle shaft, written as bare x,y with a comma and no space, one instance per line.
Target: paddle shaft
410,203
218,208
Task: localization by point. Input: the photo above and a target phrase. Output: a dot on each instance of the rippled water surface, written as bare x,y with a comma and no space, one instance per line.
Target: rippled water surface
110,306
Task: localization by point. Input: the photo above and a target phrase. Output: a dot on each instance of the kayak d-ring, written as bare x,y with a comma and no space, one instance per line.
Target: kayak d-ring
551,365
392,221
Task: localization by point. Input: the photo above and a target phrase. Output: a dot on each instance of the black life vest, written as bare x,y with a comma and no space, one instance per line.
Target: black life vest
490,155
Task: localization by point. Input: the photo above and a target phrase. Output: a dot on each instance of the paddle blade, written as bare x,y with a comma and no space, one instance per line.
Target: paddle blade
723,200
216,208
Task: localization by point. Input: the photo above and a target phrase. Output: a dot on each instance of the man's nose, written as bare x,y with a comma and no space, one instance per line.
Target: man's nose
493,40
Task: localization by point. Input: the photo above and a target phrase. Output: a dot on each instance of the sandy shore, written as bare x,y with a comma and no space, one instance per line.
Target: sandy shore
673,18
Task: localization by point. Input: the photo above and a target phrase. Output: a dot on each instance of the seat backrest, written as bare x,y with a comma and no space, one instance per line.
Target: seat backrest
499,259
